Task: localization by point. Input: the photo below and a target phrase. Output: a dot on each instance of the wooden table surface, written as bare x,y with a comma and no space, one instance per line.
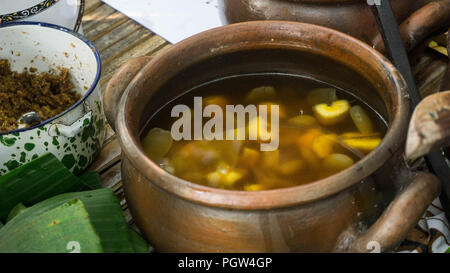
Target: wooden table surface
117,38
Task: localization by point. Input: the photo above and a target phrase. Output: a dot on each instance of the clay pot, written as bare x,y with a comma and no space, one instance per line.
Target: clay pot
328,215
418,18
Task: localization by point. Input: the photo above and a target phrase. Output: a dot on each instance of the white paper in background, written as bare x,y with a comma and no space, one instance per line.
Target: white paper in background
174,20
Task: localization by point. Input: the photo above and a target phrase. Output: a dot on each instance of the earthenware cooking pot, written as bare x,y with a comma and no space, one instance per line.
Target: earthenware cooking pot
75,135
418,18
339,213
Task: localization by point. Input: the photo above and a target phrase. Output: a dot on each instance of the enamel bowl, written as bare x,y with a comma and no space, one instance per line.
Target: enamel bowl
65,13
75,135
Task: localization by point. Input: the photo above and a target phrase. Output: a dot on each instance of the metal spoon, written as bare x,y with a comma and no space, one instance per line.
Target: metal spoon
29,119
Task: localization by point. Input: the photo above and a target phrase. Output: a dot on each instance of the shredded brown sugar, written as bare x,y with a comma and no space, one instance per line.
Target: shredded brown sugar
44,93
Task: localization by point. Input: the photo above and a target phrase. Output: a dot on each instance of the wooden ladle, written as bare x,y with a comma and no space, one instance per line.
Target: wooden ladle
429,128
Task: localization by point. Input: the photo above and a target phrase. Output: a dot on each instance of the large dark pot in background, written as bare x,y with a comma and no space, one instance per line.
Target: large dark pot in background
418,18
178,216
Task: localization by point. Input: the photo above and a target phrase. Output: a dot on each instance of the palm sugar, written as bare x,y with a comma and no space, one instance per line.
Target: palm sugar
47,94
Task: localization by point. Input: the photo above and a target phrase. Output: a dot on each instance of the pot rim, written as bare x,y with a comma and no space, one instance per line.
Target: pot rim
91,88
275,198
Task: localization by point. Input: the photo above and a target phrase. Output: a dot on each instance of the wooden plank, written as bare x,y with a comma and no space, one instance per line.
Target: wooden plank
432,84
148,47
109,155
128,216
109,134
422,64
135,38
112,177
429,80
95,17
135,227
115,35
120,194
91,5
105,25
432,66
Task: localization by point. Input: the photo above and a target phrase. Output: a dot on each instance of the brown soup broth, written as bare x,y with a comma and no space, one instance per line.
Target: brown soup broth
323,141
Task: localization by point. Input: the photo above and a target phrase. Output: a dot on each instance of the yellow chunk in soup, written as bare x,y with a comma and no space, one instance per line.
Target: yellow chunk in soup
364,145
225,176
303,121
323,145
306,140
359,135
157,143
291,167
332,114
262,93
254,187
361,119
310,157
337,162
258,126
219,100
249,157
271,159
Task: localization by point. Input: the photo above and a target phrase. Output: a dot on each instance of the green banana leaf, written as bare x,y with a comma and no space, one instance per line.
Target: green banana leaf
38,180
91,180
139,244
104,212
57,230
18,209
31,184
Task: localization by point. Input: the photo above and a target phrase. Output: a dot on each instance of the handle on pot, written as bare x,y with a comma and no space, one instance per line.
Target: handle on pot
400,216
420,24
117,85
